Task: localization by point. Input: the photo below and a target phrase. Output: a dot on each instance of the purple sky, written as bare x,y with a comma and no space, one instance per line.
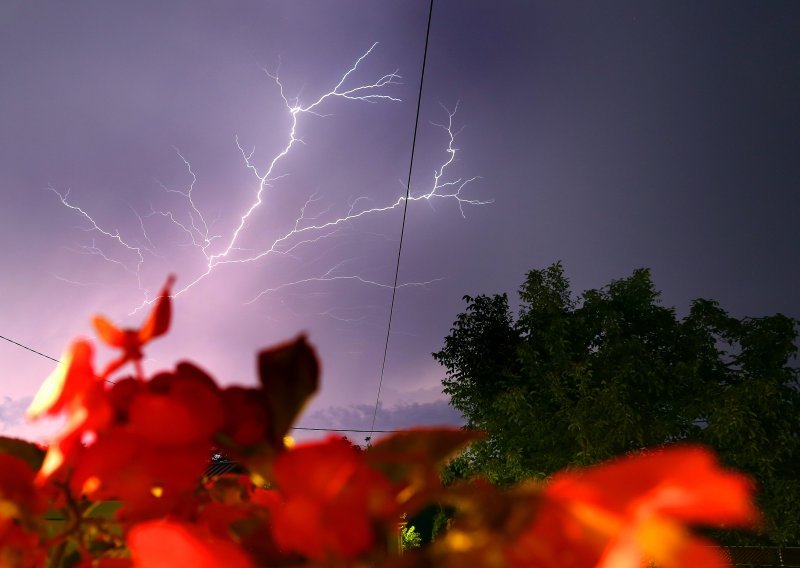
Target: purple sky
662,135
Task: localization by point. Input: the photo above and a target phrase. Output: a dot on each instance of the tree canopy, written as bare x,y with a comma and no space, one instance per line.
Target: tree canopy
576,380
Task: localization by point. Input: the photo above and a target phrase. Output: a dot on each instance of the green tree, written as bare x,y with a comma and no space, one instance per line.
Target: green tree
573,381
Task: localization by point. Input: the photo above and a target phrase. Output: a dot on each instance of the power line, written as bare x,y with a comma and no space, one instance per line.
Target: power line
42,354
405,210
17,343
344,430
30,349
397,265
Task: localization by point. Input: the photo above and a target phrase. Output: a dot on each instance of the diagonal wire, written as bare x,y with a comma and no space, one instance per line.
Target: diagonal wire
342,430
42,354
294,428
403,225
30,349
399,253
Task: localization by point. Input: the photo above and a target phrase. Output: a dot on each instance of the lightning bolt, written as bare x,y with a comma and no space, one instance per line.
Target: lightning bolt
115,236
308,229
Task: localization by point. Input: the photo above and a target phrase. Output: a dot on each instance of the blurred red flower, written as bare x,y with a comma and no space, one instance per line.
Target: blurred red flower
19,503
330,499
619,514
131,341
74,389
162,544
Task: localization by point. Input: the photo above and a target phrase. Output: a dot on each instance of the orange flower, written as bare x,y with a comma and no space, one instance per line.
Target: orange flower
620,514
131,341
330,499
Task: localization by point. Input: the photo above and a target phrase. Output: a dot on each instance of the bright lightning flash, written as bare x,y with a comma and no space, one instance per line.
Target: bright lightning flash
307,229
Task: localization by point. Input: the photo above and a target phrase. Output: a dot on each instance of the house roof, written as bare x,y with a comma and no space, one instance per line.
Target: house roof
220,467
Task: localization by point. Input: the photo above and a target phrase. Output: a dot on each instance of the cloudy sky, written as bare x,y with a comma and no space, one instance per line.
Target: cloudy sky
136,138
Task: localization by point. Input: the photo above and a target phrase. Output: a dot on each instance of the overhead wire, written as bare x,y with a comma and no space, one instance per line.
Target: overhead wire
42,354
344,430
403,224
372,429
356,430
30,349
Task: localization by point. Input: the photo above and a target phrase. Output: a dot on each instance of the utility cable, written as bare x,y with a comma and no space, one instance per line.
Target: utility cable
344,430
30,349
372,429
403,225
42,354
295,428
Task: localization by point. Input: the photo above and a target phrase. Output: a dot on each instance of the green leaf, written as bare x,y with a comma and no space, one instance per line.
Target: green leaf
421,449
30,453
289,376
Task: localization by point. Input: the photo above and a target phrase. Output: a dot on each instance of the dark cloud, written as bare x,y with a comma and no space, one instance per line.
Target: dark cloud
359,416
609,136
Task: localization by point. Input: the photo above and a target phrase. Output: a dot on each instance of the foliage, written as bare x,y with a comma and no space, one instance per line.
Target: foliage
574,381
410,538
123,484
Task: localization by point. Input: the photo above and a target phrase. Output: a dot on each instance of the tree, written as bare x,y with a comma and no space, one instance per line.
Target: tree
574,381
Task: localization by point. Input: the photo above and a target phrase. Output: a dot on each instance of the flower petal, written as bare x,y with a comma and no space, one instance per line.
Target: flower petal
158,321
108,332
68,380
160,544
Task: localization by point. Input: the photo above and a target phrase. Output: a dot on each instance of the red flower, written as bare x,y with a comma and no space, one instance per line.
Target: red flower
146,443
67,383
74,389
19,497
246,423
289,376
131,341
150,480
153,454
634,509
330,500
178,408
19,503
160,544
